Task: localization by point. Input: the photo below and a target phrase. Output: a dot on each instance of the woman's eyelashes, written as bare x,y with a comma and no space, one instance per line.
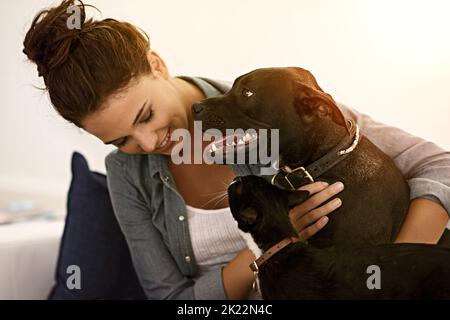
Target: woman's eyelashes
149,115
146,119
122,143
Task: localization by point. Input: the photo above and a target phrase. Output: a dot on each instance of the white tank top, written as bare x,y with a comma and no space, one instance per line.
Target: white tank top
215,237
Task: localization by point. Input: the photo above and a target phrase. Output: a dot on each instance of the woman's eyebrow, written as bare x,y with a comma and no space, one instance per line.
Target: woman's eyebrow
133,125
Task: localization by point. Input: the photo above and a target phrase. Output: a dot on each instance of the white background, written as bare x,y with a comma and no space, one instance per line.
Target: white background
389,59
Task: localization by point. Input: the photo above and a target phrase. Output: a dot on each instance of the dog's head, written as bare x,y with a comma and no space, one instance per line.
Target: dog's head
288,99
263,210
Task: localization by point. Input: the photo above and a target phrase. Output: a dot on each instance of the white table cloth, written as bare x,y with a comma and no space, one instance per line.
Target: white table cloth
28,256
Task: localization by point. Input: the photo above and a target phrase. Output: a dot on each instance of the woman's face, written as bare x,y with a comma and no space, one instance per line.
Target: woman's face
141,119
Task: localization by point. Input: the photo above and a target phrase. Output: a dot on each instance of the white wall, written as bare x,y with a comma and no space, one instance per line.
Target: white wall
390,59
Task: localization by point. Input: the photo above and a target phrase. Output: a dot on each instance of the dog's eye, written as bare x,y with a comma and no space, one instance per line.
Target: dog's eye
247,93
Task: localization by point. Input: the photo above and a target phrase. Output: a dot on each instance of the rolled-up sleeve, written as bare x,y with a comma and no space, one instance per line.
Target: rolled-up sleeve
425,166
158,273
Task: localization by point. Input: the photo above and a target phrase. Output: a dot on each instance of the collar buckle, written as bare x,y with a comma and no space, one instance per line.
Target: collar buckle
287,171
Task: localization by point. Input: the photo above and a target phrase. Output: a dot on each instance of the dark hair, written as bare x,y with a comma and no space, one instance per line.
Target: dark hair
83,67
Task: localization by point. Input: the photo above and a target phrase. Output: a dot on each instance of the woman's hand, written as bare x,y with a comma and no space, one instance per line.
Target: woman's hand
311,216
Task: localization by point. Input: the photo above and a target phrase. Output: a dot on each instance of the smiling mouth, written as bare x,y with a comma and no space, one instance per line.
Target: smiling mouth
232,143
166,141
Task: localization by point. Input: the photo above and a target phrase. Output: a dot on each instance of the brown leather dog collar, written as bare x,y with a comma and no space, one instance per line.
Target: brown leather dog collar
292,179
273,250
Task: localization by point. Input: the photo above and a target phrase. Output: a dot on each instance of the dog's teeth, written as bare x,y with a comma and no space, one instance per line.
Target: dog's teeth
214,148
234,143
241,141
247,137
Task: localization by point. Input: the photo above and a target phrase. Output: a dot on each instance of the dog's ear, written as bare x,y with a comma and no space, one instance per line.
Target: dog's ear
297,197
248,216
311,104
311,101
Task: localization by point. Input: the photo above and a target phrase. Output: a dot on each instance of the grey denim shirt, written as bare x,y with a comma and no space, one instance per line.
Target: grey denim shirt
152,214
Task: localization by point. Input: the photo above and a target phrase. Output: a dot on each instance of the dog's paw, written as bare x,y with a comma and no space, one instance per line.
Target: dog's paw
297,197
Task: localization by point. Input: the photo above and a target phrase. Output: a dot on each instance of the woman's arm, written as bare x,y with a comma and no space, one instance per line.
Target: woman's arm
425,166
237,276
425,222
157,270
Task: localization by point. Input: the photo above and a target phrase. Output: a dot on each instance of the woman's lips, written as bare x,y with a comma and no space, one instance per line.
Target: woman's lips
166,143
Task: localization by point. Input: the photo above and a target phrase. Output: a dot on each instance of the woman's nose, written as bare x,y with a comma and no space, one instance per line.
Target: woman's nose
147,141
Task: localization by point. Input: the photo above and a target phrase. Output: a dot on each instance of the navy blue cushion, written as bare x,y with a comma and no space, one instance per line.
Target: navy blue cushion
93,241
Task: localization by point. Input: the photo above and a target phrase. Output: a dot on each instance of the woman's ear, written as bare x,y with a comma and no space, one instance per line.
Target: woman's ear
157,64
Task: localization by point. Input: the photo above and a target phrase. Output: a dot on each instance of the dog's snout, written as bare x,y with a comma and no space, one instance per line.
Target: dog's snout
198,107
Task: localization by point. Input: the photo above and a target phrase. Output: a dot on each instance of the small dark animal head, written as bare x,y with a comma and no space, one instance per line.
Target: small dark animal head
262,209
288,99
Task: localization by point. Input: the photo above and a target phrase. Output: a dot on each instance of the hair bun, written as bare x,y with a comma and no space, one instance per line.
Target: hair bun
49,41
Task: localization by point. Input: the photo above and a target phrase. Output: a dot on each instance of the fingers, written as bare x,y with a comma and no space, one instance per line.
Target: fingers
318,198
302,194
314,187
303,221
307,233
311,216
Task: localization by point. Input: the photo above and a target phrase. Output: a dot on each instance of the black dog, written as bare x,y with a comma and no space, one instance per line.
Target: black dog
296,270
315,143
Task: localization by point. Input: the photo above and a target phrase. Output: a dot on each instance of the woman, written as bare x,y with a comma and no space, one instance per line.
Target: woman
105,79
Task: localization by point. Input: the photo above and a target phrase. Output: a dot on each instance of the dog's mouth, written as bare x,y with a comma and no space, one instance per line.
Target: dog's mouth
232,143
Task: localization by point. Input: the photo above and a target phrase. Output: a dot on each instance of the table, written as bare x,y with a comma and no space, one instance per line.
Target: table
29,249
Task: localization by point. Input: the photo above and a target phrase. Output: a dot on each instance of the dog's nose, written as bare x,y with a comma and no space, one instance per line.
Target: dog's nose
198,107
